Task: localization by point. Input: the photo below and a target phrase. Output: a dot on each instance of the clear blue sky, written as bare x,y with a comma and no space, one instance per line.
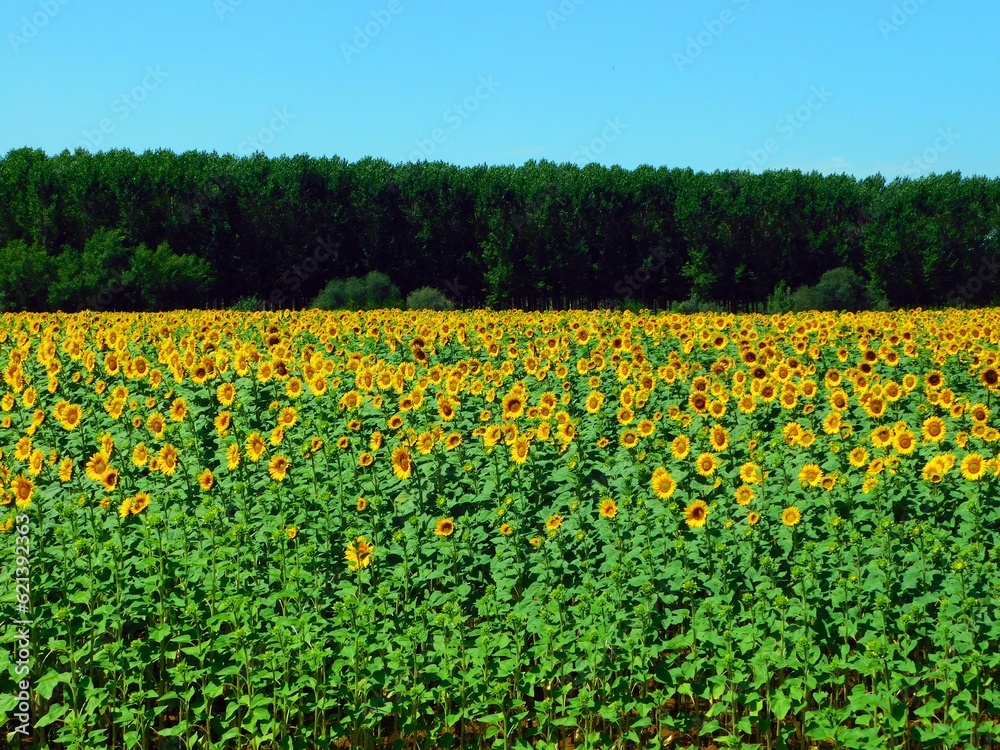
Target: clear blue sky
855,86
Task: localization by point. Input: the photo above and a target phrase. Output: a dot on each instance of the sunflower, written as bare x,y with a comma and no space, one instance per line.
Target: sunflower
663,484
402,465
156,424
696,514
226,394
790,516
719,438
291,532
97,466
706,464
66,470
69,416
23,488
255,446
810,475
359,553
168,460
126,507
362,504
680,447
990,378
444,527
110,479
753,517
973,467
178,410
594,402
139,503
858,457
744,494
506,529
366,459
233,456
277,468
206,480
609,508
905,442
751,473
553,522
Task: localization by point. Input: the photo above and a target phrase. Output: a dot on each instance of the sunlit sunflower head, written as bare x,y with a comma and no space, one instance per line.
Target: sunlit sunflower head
744,494
706,464
609,508
402,465
359,553
680,447
973,467
663,483
553,522
696,514
277,468
810,475
790,516
206,480
444,527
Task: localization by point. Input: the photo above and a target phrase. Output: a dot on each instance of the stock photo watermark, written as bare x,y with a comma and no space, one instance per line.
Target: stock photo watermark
713,29
455,116
292,279
633,282
33,24
364,35
562,13
787,127
23,655
279,122
921,164
224,7
613,128
124,106
900,16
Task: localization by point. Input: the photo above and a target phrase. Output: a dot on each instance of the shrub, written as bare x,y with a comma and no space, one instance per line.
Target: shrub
358,293
247,304
780,300
428,298
841,289
695,304
164,280
25,274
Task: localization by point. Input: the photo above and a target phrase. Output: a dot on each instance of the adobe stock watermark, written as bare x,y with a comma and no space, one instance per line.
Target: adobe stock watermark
22,651
987,270
788,126
900,16
292,280
562,13
613,128
280,120
713,29
921,164
364,35
124,106
455,116
31,26
224,7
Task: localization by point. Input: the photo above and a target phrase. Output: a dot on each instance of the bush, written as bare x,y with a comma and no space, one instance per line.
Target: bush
428,298
695,304
247,304
780,300
164,280
841,289
26,271
358,293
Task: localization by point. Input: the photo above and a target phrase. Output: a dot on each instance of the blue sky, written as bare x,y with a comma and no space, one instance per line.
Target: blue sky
903,88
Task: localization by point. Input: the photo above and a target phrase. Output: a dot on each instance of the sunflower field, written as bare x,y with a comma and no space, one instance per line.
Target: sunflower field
500,530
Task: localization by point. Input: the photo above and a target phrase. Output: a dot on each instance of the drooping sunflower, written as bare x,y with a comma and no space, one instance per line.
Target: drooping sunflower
139,503
359,553
753,517
277,468
206,480
696,514
233,456
402,465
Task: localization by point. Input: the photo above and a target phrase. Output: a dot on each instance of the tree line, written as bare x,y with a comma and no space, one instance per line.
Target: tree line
119,230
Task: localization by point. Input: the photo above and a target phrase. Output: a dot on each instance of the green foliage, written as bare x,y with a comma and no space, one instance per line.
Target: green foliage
165,280
539,235
428,298
247,304
93,278
25,274
369,292
695,304
838,289
780,300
